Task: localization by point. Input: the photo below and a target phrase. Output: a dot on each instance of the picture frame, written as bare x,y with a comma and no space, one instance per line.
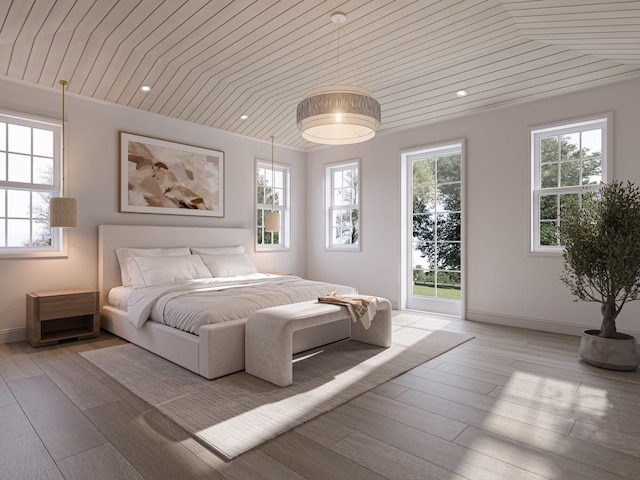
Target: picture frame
170,178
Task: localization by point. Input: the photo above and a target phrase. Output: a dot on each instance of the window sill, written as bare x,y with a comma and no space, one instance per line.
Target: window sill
546,253
15,255
272,249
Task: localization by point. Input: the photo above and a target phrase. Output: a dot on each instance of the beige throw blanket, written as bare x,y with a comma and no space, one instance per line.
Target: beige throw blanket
361,309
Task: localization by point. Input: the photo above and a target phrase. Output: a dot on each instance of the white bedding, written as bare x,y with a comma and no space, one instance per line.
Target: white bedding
189,305
119,297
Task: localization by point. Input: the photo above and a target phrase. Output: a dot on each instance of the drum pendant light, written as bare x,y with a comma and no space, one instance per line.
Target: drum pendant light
338,114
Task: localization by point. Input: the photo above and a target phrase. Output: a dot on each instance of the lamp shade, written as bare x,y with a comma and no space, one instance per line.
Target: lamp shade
272,221
338,115
63,212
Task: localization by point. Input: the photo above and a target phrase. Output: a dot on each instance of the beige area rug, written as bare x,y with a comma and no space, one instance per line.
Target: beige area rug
236,413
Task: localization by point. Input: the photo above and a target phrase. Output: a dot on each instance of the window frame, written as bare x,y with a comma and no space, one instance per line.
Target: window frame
58,247
604,122
283,207
329,206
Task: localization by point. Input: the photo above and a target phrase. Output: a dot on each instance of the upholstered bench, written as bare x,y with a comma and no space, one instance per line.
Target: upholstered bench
268,335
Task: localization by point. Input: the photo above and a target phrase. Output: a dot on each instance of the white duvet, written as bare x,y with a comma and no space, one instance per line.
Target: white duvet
189,305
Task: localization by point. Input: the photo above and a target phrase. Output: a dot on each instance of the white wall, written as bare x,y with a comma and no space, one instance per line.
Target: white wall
92,152
505,283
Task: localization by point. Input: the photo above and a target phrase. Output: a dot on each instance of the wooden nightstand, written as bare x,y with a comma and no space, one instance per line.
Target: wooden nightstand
61,314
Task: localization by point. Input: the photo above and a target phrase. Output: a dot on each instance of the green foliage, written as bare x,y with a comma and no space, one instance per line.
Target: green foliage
602,250
564,164
266,194
436,206
448,292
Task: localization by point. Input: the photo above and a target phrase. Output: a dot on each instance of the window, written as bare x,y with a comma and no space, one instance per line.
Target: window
569,162
272,192
30,174
342,198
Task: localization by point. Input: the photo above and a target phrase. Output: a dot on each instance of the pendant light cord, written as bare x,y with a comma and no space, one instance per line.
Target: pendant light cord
338,54
64,84
273,179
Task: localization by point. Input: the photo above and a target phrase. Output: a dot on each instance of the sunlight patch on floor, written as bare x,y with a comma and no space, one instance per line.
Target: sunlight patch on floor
551,395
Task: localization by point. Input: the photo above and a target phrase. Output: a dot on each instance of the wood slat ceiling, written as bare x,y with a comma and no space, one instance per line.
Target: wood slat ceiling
209,62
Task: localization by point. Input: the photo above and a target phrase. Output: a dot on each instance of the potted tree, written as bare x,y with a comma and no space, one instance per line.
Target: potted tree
602,264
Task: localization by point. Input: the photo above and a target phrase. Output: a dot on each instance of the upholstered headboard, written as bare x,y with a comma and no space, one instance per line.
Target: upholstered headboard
111,237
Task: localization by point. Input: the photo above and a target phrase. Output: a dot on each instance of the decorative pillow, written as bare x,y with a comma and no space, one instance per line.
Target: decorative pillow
216,250
158,270
125,255
229,265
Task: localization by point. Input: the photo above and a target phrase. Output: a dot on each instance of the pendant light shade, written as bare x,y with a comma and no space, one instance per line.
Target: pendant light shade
338,114
272,218
63,211
272,221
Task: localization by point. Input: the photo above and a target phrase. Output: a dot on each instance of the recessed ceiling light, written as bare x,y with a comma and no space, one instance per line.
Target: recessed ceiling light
461,93
145,88
244,117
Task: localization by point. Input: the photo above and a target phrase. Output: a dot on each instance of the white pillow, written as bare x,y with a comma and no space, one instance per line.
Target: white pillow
229,265
217,250
158,270
125,256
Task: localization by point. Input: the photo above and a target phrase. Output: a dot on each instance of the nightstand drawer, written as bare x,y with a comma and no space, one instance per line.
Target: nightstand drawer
71,305
61,315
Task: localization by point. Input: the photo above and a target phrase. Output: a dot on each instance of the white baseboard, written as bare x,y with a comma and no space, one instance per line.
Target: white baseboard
9,335
535,323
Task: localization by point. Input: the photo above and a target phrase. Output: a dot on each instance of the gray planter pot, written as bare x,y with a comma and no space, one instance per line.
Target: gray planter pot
611,353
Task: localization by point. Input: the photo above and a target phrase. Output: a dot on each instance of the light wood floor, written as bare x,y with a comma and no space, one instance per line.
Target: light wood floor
510,404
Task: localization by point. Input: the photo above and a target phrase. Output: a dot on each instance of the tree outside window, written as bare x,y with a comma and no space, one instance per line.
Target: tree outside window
437,220
272,192
569,163
343,206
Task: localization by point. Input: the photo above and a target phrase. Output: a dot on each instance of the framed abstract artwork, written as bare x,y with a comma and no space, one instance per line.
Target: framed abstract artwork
159,176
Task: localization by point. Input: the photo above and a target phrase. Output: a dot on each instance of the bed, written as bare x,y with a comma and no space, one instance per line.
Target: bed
208,349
